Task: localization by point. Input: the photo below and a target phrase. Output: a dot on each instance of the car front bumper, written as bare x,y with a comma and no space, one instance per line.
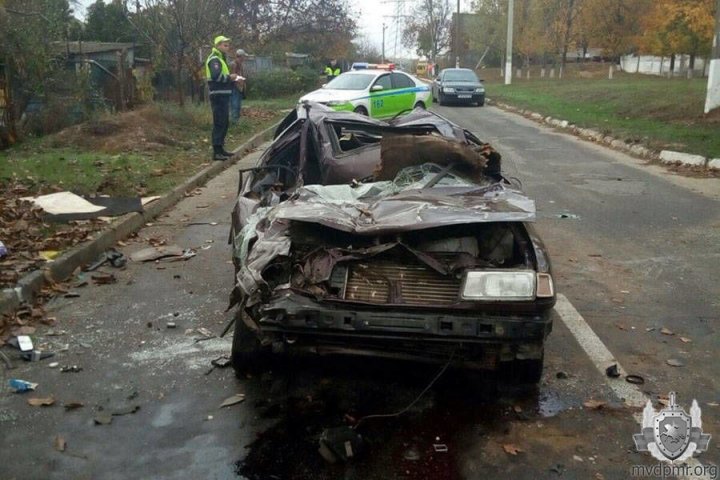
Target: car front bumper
462,97
480,341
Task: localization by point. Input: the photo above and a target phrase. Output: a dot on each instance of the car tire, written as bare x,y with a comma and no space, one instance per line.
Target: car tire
361,111
419,105
441,99
247,355
522,372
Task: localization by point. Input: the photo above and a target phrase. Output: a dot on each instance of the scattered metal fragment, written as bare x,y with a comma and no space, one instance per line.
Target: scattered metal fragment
674,362
171,325
222,362
612,371
103,419
235,399
71,369
442,448
36,355
340,444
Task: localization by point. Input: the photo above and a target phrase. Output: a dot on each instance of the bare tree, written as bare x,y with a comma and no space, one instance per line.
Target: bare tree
429,29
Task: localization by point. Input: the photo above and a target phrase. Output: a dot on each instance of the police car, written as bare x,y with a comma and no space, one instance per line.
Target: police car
379,92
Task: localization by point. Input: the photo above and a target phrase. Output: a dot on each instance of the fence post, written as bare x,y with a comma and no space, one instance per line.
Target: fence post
552,72
610,73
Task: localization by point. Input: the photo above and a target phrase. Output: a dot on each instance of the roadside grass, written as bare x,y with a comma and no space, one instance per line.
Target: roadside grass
143,152
662,113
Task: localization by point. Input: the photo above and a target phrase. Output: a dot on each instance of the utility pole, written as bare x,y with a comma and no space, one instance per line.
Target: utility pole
712,100
383,44
509,47
457,36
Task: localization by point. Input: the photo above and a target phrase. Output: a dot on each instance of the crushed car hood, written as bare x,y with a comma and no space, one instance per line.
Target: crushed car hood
369,209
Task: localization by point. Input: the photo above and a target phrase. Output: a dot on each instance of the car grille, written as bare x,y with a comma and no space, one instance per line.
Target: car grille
465,89
390,282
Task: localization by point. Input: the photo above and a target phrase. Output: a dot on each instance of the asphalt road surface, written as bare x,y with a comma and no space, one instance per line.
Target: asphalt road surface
636,250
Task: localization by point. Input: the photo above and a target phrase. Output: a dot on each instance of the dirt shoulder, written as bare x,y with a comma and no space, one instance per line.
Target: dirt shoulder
141,153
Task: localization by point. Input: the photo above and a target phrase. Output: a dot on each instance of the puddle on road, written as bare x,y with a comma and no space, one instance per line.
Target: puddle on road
461,410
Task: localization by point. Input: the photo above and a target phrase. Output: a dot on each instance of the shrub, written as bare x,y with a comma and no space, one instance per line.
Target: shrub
281,82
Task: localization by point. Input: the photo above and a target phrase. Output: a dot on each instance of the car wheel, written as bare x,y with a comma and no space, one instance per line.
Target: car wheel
419,105
522,372
441,99
361,111
247,354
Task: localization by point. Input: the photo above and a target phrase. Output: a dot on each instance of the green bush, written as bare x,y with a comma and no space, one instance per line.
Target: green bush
277,83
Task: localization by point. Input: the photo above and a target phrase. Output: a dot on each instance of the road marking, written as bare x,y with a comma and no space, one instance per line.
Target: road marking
598,353
603,358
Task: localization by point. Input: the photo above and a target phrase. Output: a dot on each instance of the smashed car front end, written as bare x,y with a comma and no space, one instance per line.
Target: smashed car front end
420,261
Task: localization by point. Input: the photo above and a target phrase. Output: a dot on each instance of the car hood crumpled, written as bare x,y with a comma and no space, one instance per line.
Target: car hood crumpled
365,210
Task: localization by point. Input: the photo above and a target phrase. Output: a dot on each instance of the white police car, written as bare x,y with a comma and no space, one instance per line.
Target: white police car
379,92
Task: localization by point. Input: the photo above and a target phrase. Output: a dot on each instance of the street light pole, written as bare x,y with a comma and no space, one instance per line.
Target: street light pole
712,100
457,36
383,44
508,47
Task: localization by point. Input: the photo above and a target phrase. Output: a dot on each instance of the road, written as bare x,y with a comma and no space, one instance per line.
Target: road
635,249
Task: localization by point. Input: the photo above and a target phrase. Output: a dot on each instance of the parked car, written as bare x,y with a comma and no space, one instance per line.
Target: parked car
377,93
397,239
458,85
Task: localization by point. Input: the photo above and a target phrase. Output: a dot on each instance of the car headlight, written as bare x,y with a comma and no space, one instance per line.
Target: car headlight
499,285
448,90
480,90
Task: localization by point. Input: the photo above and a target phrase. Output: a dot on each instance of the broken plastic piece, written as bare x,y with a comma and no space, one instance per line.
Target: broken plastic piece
24,343
340,444
21,386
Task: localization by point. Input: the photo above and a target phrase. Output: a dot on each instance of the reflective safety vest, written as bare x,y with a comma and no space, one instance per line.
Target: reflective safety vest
221,85
330,72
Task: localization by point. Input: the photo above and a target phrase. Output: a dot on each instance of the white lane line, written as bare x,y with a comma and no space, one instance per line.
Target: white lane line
602,358
598,353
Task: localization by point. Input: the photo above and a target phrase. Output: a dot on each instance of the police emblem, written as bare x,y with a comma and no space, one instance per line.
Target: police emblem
671,435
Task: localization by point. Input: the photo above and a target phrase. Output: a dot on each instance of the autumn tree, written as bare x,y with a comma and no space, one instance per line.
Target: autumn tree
613,25
559,21
490,29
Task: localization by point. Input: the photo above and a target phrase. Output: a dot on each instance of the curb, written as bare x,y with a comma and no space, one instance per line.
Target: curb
28,286
667,157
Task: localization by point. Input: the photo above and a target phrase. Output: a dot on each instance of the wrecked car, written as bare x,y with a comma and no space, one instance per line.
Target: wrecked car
398,239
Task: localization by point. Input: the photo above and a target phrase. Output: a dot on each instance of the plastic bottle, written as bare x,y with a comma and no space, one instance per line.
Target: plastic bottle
21,386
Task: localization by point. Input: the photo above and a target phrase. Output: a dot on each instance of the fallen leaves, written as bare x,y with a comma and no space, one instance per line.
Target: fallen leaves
59,443
512,449
666,331
594,404
41,402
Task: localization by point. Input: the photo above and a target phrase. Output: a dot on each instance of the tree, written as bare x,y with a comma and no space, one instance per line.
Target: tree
29,32
490,29
428,31
366,51
108,22
613,25
559,22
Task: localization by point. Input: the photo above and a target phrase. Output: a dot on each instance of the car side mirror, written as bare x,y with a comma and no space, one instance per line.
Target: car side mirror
482,80
376,88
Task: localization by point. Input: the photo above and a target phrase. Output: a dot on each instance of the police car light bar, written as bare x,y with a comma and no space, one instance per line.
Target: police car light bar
382,66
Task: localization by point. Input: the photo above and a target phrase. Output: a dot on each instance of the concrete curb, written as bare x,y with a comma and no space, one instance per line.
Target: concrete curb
28,286
634,149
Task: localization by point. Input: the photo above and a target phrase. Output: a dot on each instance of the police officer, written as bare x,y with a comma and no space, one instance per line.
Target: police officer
332,70
220,86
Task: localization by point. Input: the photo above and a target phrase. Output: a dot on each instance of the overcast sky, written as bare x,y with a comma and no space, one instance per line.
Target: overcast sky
371,15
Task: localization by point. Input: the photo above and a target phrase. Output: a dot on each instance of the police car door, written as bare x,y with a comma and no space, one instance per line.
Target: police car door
380,102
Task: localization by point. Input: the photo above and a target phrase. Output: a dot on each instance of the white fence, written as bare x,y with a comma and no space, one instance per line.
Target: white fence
651,65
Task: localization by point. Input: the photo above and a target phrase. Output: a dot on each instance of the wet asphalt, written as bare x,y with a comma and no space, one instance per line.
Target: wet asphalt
638,252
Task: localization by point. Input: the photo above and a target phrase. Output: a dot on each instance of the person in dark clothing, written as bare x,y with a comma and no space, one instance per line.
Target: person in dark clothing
220,86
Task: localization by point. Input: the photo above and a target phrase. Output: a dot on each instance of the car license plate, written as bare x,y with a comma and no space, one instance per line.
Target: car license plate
464,96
